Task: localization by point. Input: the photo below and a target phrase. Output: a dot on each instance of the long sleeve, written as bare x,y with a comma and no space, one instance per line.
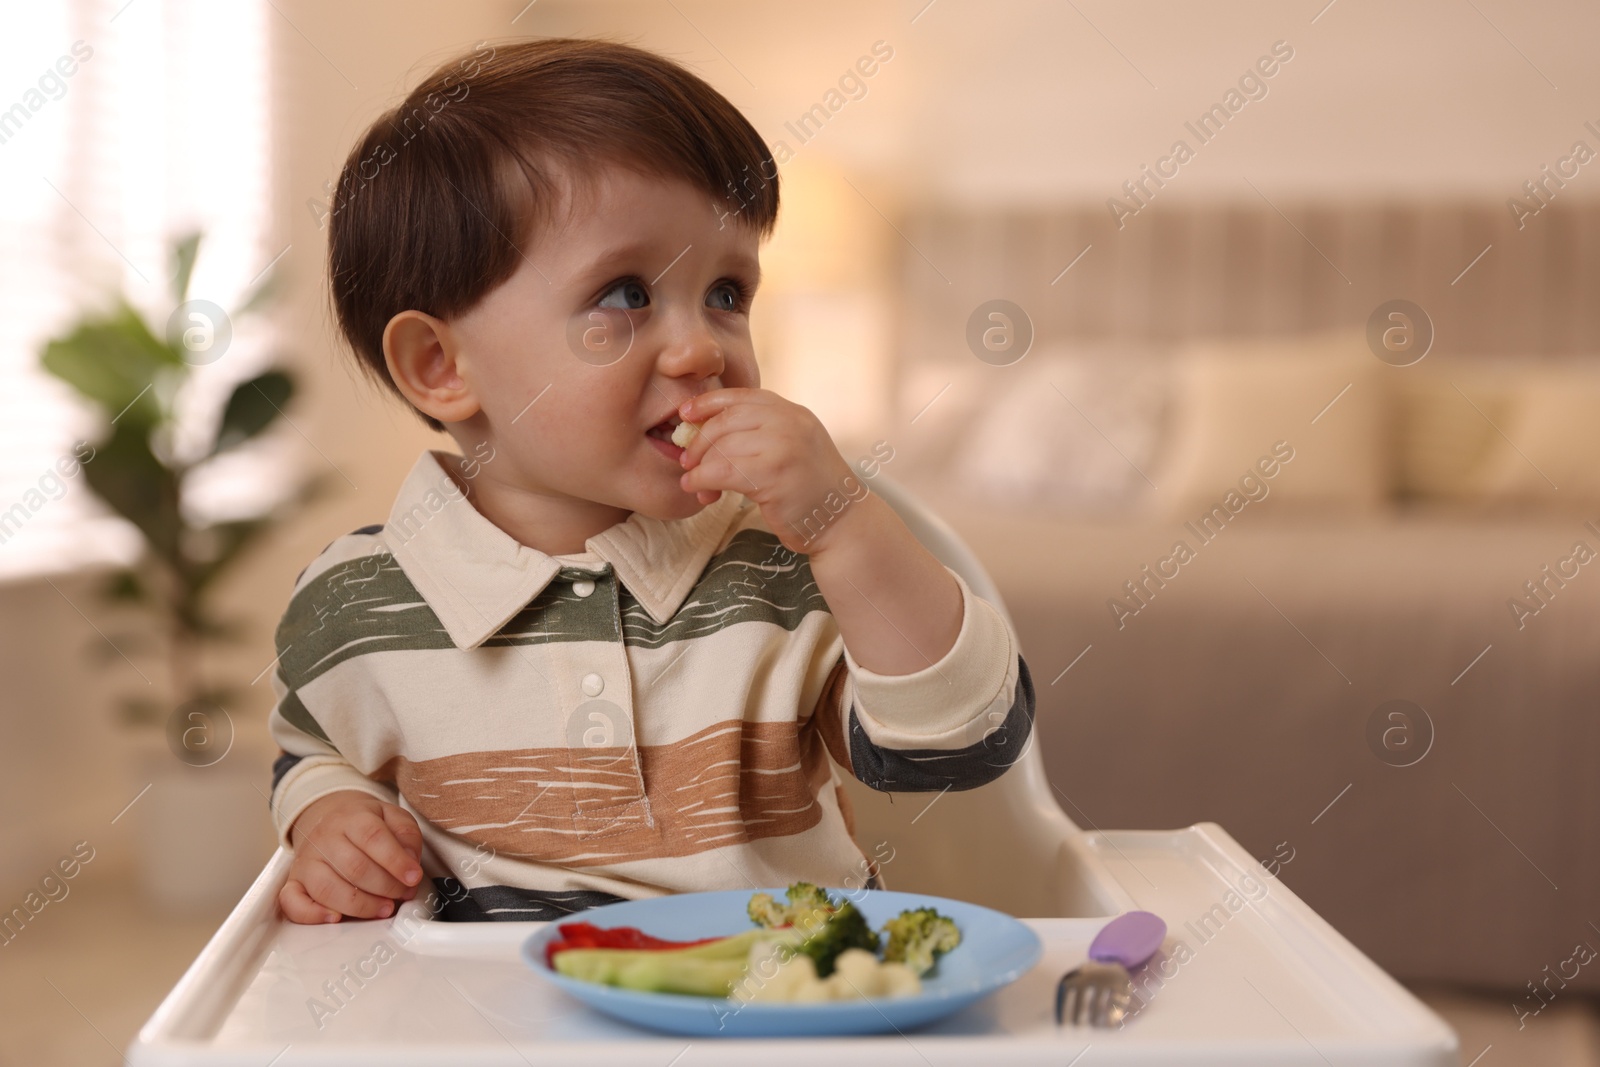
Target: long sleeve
956,724
309,766
322,620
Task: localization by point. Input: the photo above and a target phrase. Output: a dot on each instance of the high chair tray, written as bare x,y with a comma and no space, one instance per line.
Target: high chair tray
1248,976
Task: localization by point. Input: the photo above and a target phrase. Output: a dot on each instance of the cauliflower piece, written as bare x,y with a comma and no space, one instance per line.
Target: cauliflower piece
776,975
856,975
684,432
812,990
898,980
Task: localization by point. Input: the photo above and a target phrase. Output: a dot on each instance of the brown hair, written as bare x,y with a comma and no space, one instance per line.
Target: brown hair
435,200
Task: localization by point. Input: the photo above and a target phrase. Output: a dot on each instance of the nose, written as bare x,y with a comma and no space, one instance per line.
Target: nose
691,351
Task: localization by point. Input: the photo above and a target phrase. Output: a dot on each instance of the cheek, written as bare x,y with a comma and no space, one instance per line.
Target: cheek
591,415
572,434
514,346
505,375
742,371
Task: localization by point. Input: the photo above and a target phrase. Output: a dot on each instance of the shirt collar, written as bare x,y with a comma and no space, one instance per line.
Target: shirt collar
475,576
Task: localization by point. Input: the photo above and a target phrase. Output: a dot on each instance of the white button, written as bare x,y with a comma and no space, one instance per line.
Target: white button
583,587
592,685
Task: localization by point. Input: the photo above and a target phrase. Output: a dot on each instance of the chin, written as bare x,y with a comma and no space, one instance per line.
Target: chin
674,505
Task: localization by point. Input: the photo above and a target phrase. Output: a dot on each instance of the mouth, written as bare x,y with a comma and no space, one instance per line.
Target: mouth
660,438
663,430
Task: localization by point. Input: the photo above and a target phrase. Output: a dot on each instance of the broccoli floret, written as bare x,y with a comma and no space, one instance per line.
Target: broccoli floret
802,897
826,926
918,937
829,931
765,911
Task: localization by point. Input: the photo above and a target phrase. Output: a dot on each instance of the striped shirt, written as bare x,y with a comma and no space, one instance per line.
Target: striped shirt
668,711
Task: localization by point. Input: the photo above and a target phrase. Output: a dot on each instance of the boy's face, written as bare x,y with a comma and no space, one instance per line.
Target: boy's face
630,303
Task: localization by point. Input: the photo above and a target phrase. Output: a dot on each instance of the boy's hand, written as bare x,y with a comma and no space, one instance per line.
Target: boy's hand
353,855
777,453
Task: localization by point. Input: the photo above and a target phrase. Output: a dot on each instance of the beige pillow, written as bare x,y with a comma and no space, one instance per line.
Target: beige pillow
1445,445
1553,429
1239,401
1069,430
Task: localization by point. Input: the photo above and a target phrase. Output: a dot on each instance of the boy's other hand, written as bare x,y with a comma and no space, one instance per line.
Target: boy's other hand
772,450
353,855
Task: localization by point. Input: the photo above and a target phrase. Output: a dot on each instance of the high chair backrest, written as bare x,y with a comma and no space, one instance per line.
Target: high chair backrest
1007,845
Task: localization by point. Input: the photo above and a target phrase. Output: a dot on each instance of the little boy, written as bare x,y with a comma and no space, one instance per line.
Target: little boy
580,663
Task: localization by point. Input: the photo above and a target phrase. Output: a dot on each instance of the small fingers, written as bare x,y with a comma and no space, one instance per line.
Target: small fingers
702,407
716,427
730,454
707,479
327,886
695,452
298,907
409,837
356,864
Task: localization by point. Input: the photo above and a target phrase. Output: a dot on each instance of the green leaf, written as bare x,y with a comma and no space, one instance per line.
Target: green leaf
254,406
234,537
128,477
231,538
114,360
183,254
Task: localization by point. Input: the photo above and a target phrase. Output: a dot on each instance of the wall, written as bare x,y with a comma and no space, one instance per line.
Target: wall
1241,269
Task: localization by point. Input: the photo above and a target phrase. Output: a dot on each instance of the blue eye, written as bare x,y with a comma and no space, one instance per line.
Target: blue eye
627,296
729,296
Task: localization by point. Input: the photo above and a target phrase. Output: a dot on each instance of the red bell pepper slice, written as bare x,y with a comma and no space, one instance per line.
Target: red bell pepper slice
587,935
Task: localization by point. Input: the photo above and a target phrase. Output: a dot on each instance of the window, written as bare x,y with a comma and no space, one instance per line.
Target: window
123,123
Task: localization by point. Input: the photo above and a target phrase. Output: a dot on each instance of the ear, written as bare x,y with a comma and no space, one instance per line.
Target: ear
422,356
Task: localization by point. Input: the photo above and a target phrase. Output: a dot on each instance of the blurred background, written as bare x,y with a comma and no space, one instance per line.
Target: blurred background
1307,289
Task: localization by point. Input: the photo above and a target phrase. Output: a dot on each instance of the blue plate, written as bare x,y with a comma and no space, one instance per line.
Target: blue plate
995,951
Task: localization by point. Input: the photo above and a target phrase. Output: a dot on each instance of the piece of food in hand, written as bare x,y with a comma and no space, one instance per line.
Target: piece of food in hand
917,938
684,432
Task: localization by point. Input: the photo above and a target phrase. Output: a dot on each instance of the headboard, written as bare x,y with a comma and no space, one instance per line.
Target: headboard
1176,271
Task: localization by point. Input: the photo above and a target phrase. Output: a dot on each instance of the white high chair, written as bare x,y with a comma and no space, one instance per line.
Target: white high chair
1006,845
461,992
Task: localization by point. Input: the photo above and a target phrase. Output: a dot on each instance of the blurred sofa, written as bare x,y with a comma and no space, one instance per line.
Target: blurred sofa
1250,682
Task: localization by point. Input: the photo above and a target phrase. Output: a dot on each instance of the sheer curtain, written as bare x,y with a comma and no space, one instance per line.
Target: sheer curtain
122,124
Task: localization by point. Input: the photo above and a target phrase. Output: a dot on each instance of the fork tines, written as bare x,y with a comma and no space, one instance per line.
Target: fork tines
1096,993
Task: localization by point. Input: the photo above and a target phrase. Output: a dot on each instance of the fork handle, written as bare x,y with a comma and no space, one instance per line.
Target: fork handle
1130,939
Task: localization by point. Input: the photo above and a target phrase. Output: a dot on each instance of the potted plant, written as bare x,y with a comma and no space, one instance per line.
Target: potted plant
135,375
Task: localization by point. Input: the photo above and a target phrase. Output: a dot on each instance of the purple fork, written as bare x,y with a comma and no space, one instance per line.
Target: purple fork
1101,991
